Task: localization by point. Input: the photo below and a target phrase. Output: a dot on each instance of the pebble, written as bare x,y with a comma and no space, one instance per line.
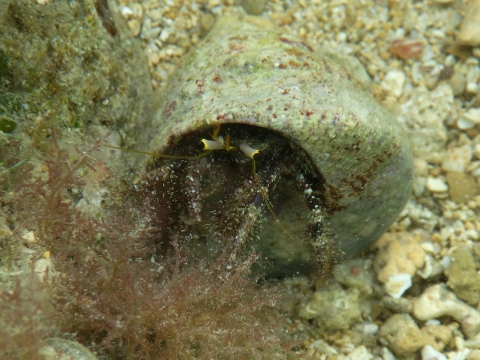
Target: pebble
406,48
436,185
436,301
359,353
206,23
473,77
127,12
44,269
472,115
402,334
393,82
253,7
462,187
457,159
61,349
399,253
458,82
462,275
436,335
387,355
333,308
469,33
356,273
29,237
134,26
401,305
476,151
429,353
397,284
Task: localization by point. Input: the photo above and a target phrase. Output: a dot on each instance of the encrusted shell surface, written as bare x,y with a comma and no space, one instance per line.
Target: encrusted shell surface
242,74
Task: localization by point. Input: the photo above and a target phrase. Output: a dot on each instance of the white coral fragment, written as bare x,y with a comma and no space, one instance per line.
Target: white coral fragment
437,301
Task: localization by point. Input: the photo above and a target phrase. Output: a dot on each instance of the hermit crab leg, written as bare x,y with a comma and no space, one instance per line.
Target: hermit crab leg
238,225
251,152
321,246
193,190
195,171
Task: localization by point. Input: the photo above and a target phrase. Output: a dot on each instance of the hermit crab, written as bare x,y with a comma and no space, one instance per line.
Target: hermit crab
264,144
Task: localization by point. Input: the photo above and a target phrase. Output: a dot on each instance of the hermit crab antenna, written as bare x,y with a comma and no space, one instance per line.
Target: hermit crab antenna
218,143
207,151
213,144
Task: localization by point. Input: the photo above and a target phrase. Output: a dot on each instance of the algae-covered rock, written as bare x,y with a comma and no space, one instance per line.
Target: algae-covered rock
333,309
402,333
61,65
463,278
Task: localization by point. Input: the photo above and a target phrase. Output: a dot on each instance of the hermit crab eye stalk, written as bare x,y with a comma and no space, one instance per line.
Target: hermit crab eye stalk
213,144
248,150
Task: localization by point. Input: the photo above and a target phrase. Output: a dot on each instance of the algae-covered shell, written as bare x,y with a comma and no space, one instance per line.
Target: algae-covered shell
245,75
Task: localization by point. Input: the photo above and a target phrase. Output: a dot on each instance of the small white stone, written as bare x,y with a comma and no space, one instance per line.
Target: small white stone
44,269
429,353
153,32
420,167
436,301
469,33
137,10
419,185
154,58
476,151
387,355
172,50
457,159
428,247
134,26
397,284
446,262
360,353
393,82
427,269
472,115
29,236
164,35
464,124
127,13
370,329
436,185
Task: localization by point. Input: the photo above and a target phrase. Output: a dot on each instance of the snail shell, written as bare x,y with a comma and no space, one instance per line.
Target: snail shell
240,74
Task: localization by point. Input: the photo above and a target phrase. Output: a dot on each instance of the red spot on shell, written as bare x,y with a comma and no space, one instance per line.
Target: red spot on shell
406,48
355,270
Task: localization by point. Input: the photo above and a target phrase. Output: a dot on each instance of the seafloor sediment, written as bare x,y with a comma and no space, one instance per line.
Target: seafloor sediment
415,291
